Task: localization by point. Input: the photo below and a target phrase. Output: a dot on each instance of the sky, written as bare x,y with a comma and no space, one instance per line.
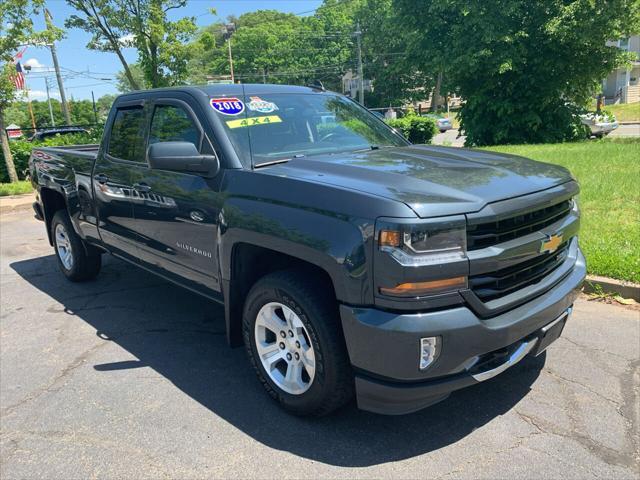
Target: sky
85,70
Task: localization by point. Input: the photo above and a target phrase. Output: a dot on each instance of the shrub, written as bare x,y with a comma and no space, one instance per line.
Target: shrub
21,149
414,128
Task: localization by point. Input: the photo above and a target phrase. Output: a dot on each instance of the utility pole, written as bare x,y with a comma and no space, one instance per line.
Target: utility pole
46,83
54,56
358,34
227,31
95,113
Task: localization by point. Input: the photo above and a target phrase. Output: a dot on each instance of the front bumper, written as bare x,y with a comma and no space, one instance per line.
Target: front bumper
384,346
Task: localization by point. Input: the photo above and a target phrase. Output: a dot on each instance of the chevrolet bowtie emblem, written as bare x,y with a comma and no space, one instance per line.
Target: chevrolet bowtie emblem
551,243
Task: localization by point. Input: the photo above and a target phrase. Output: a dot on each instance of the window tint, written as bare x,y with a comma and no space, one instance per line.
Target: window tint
126,141
173,124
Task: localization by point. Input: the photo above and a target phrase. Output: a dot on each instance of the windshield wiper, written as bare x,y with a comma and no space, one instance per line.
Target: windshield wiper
275,162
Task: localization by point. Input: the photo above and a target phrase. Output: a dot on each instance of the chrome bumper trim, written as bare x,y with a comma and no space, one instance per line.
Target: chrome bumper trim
521,352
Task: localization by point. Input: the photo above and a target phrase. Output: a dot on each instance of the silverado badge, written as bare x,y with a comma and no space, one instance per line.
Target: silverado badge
551,243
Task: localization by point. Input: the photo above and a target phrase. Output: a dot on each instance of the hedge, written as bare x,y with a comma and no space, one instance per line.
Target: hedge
414,128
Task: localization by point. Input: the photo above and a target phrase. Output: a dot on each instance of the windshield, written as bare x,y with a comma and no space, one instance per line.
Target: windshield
275,127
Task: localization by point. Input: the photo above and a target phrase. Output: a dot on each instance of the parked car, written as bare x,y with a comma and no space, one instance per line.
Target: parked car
601,124
52,132
442,123
348,260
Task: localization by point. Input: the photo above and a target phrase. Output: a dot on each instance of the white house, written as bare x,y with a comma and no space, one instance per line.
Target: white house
623,85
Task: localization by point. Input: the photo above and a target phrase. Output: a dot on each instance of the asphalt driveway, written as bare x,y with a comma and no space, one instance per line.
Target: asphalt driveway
129,376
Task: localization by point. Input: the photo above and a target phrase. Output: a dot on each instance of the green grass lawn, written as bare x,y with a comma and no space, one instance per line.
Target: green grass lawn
17,188
625,112
609,176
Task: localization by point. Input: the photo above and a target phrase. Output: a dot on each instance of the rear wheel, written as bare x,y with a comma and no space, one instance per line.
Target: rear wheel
77,261
293,337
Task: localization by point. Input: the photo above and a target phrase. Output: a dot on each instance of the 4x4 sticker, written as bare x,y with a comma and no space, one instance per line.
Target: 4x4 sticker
259,105
227,106
250,122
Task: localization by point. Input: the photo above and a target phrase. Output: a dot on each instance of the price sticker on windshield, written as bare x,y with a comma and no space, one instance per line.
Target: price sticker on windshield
250,122
227,106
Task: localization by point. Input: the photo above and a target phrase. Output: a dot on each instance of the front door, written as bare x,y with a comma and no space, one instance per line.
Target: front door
176,213
112,178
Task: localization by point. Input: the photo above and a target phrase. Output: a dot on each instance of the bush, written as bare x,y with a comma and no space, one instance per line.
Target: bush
21,149
414,128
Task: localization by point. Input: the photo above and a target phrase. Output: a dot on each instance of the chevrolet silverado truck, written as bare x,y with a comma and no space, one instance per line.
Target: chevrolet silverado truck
350,263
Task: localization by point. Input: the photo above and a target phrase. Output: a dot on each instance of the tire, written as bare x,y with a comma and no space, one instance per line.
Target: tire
329,384
77,261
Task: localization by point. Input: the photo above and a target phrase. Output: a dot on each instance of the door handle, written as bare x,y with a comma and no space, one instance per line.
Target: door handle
141,187
101,178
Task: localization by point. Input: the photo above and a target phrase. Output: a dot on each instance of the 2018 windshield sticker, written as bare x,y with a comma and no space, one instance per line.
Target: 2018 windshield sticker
227,106
250,122
259,105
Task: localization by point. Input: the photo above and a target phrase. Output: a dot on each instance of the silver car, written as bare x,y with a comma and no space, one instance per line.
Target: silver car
442,123
600,124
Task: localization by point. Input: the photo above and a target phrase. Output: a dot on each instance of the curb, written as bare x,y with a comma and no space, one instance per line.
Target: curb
16,203
633,122
596,284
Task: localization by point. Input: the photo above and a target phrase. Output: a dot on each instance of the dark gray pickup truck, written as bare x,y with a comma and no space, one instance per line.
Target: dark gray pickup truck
349,261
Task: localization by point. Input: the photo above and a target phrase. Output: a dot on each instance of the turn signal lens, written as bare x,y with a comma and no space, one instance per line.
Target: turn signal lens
390,238
418,289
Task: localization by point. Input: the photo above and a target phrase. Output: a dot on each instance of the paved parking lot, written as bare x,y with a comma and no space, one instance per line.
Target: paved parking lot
129,376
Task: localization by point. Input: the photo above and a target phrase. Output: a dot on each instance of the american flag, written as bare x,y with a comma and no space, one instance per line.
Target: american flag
18,78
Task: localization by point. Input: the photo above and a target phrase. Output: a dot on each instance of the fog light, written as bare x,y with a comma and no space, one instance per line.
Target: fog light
428,351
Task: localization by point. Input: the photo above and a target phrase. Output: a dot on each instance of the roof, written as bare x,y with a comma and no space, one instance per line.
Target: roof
236,89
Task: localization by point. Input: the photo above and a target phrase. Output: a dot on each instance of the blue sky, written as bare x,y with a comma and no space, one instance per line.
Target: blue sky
86,70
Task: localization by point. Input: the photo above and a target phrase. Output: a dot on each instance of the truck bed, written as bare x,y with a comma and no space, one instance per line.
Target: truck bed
85,151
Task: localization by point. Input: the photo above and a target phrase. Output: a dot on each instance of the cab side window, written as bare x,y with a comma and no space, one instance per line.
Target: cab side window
173,124
126,141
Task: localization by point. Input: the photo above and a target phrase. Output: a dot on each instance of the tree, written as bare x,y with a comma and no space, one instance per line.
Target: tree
391,54
276,47
108,25
521,66
124,85
162,44
16,28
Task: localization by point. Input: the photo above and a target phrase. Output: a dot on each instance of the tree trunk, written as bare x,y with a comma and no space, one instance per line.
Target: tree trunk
127,70
8,158
435,97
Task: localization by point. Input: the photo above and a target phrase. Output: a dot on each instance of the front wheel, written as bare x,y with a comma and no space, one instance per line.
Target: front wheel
77,261
294,340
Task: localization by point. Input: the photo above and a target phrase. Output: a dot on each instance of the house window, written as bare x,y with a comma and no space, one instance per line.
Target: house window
624,43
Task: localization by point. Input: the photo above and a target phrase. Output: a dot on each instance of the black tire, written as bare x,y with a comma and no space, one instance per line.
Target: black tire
86,260
313,302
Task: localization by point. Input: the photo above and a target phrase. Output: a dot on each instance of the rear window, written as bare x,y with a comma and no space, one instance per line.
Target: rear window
126,141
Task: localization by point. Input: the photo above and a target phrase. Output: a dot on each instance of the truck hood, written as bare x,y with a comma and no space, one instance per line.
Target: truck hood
431,180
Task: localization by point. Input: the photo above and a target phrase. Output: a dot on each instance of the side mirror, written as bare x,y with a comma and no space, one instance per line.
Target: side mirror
181,157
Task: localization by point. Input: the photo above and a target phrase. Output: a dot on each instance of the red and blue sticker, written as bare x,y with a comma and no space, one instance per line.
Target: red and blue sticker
227,106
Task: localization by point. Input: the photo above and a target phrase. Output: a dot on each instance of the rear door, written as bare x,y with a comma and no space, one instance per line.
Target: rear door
176,214
122,150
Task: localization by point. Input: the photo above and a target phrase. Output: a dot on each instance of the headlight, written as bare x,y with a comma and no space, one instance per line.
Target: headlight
414,245
431,257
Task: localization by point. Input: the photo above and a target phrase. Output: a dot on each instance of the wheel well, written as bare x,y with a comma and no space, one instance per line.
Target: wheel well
52,201
248,265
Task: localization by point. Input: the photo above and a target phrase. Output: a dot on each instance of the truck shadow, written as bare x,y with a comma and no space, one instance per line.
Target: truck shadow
181,336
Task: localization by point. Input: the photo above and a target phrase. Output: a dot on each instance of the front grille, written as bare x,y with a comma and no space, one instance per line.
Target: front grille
488,234
489,286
